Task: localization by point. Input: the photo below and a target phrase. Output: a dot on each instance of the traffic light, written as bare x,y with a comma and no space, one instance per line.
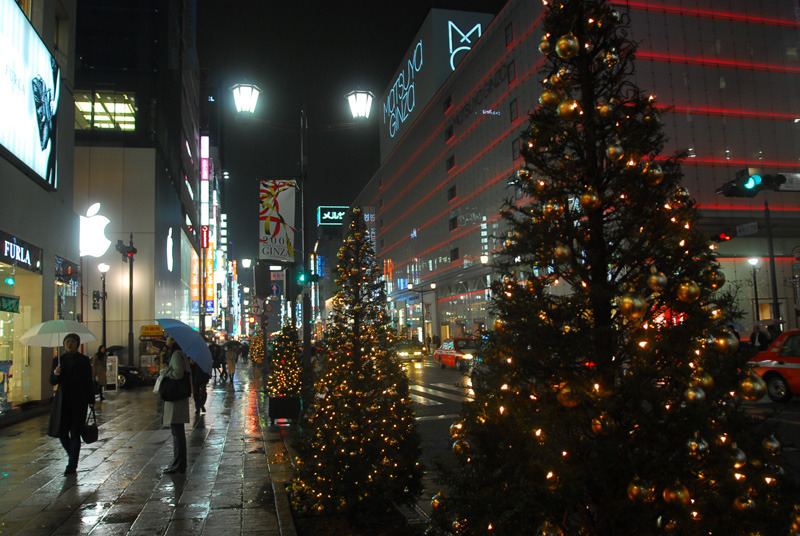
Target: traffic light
127,250
95,299
301,276
748,184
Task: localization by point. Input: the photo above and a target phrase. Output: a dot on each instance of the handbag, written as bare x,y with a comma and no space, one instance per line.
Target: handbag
89,431
172,390
54,425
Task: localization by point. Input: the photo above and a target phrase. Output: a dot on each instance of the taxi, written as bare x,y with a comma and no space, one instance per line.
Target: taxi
779,366
457,351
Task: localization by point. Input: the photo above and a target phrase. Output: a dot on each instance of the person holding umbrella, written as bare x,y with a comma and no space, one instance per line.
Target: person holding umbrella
176,414
72,373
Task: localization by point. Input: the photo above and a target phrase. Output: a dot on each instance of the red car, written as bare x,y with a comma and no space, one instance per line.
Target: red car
779,366
457,351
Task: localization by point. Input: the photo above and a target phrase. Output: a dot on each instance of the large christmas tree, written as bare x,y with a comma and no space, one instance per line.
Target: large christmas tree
358,446
284,368
608,401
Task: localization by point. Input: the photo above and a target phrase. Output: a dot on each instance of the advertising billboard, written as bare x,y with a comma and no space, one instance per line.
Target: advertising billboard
442,42
332,215
29,92
276,220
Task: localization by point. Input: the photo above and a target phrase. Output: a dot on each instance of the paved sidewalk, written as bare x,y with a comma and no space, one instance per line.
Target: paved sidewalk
233,485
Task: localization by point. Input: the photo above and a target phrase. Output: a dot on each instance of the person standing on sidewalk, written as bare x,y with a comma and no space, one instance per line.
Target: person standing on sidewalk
72,373
176,414
199,382
230,359
99,365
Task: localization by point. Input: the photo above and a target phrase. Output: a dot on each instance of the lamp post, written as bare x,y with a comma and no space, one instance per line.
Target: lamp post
128,251
754,263
103,267
245,97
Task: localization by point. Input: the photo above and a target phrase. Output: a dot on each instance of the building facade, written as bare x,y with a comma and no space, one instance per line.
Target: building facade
39,258
728,72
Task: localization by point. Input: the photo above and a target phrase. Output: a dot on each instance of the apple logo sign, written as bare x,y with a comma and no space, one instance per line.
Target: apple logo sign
93,233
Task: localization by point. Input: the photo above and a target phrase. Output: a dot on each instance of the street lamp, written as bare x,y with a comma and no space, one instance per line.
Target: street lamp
246,96
103,267
754,263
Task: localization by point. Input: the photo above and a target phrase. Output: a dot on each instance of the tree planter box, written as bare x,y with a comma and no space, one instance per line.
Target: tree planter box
283,407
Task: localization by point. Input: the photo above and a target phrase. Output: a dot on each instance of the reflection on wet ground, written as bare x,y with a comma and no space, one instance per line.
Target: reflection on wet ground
237,463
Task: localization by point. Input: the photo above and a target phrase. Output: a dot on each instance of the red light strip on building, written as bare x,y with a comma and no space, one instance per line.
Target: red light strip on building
715,62
707,13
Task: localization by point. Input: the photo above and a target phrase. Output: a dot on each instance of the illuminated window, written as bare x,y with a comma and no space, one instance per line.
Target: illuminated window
108,110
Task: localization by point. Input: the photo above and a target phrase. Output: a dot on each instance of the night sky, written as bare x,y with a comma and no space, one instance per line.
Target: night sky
309,56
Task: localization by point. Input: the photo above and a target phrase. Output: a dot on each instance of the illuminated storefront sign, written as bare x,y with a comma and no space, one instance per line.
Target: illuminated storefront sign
194,284
442,42
19,253
210,287
29,93
331,215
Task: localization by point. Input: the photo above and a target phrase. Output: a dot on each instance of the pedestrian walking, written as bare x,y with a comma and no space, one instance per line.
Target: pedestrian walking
176,414
230,360
759,340
99,367
72,374
199,382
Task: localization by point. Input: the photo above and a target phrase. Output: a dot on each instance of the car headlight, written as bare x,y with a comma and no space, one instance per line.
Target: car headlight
402,354
135,372
467,356
417,353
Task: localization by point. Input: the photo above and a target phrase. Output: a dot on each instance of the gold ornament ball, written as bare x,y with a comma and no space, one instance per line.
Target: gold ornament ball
567,46
694,395
688,291
549,529
552,210
499,325
657,281
771,444
545,47
456,430
568,395
605,110
615,151
752,388
569,109
677,494
639,490
632,306
557,80
654,173
703,380
437,501
461,447
739,458
603,424
590,201
744,503
726,343
681,197
550,98
697,446
715,279
562,253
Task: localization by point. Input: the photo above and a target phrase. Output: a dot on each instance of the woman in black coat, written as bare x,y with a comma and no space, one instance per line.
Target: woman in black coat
72,372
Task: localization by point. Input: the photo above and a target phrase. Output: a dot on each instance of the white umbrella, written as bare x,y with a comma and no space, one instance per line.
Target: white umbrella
52,333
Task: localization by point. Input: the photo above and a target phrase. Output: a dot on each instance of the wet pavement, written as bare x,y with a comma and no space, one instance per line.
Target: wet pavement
233,484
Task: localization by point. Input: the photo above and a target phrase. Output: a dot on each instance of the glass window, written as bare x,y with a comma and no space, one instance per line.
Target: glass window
108,110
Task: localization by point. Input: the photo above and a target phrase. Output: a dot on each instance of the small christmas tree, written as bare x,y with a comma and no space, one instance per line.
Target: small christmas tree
285,366
358,447
257,347
608,399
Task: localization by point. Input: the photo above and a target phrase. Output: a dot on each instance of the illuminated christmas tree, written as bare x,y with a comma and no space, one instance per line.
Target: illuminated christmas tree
257,347
608,400
285,364
358,448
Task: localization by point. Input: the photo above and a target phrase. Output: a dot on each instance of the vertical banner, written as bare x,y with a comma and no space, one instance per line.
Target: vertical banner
276,220
210,287
195,283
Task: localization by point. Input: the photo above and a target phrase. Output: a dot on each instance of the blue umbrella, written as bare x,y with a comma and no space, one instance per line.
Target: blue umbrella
190,341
